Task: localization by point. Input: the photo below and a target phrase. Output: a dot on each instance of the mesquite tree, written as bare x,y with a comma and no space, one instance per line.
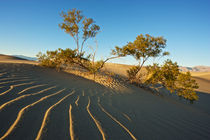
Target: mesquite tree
80,28
143,48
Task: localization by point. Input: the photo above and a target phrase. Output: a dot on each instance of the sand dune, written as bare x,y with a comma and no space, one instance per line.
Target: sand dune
14,59
8,57
203,80
39,103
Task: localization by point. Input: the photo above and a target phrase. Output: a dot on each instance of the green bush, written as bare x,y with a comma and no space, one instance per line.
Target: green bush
169,76
132,72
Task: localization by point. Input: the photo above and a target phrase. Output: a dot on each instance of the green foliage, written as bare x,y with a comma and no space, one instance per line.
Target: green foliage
47,59
132,73
169,72
94,67
78,26
143,48
58,58
186,86
154,74
169,76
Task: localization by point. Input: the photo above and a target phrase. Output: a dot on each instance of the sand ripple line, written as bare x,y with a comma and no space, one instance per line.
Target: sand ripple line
32,87
125,115
23,96
113,118
96,121
47,115
21,112
44,90
71,129
12,86
13,81
76,102
13,78
8,78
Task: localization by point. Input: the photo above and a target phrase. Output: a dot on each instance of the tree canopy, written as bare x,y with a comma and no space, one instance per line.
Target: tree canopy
143,48
79,27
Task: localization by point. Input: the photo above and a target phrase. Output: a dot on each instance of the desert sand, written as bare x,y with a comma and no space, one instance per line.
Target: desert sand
203,80
40,103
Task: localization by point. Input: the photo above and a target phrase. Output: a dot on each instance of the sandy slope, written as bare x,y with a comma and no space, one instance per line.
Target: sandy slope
38,103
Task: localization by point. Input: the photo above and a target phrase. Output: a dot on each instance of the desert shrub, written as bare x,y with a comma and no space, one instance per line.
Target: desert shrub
169,76
94,67
45,60
67,57
132,72
185,86
60,57
143,48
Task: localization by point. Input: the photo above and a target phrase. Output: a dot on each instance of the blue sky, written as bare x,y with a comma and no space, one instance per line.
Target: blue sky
30,26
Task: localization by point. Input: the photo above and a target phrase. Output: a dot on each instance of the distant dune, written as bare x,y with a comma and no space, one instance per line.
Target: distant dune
14,59
203,79
8,57
26,57
195,69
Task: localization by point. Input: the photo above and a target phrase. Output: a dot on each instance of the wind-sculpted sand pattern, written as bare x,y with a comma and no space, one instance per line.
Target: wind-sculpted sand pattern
118,122
71,129
20,114
47,114
23,96
38,103
13,86
96,121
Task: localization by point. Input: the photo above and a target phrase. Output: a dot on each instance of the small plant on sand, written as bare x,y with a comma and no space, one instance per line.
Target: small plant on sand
132,72
50,59
58,58
186,86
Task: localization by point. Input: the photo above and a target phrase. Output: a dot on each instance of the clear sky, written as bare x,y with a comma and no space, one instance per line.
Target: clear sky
30,26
